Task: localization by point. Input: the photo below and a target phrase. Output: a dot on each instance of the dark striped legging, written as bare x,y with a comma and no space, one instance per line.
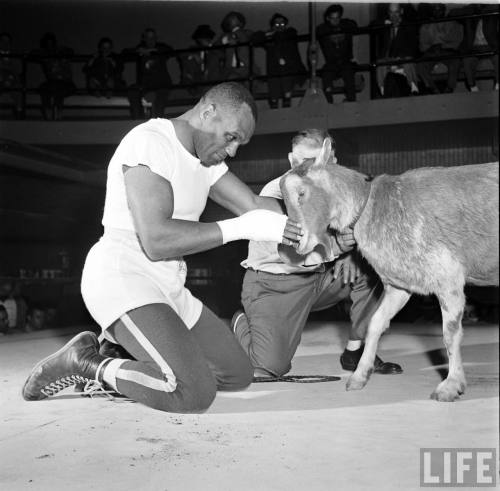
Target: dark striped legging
177,369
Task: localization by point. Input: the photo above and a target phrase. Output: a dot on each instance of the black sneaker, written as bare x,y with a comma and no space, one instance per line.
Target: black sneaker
350,359
108,350
77,361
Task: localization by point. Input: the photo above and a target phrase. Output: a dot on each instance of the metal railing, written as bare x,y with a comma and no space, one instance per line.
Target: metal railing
251,77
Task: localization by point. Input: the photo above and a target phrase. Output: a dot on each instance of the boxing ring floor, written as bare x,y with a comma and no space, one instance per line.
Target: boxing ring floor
272,436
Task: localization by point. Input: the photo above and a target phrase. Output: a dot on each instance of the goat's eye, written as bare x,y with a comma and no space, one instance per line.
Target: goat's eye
301,193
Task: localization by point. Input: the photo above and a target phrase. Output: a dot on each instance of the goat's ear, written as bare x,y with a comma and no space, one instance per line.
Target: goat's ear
293,161
324,155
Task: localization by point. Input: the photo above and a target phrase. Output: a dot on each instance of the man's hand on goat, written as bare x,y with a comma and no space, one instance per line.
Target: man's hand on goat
348,267
345,239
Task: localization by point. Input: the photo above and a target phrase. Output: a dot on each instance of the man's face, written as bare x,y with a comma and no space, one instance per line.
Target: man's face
305,150
279,24
438,11
5,290
334,18
150,39
106,49
37,319
222,131
204,41
395,13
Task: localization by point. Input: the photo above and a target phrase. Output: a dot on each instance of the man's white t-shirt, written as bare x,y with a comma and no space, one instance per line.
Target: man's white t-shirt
155,145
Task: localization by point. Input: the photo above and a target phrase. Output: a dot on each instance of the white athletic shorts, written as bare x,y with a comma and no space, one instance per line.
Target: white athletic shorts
118,277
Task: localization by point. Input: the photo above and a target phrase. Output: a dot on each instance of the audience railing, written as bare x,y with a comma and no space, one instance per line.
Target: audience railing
251,77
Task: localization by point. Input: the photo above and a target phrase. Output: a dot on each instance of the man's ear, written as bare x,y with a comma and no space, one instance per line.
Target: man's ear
207,111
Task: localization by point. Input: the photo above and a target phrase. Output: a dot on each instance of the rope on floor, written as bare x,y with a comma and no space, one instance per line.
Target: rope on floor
300,379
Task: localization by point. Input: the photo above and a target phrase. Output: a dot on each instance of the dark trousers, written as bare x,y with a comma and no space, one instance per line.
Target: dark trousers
174,368
470,66
277,307
424,68
52,94
158,98
334,71
280,87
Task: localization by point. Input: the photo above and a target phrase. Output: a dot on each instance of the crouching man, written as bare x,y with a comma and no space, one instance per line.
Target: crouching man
277,297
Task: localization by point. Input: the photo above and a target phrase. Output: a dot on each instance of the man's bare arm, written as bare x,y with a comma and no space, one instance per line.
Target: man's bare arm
151,202
234,195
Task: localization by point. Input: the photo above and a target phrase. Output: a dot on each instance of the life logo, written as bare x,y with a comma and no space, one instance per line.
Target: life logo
458,467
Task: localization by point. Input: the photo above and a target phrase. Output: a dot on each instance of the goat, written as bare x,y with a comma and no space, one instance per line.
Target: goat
427,231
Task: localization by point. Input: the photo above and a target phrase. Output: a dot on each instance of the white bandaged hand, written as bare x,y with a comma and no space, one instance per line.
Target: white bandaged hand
259,225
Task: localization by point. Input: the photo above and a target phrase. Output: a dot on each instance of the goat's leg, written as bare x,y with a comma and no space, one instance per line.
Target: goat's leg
452,308
392,302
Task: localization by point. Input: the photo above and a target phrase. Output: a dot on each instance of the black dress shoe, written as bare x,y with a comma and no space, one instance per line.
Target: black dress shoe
349,361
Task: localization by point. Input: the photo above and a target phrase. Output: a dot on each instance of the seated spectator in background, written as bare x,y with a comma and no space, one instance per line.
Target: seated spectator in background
8,302
439,39
201,66
396,42
35,320
57,69
236,61
14,304
4,321
154,81
480,35
104,70
10,70
335,38
283,60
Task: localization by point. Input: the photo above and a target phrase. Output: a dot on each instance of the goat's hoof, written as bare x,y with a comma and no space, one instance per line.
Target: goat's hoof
355,383
449,390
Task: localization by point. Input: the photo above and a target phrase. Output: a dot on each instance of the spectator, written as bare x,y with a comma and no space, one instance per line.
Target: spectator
104,70
201,66
335,38
35,320
396,43
480,35
14,304
4,321
278,297
56,67
154,81
236,61
282,59
439,39
8,302
9,75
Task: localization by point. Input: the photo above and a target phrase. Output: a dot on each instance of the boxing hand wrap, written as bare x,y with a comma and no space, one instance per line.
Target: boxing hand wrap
259,225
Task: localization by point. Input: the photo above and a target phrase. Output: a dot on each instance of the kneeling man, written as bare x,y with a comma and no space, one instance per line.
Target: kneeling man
277,297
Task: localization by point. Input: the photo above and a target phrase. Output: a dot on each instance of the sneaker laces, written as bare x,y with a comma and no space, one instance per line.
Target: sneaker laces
62,383
94,388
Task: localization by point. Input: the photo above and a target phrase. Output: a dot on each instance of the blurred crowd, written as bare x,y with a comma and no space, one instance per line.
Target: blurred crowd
402,33
19,314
